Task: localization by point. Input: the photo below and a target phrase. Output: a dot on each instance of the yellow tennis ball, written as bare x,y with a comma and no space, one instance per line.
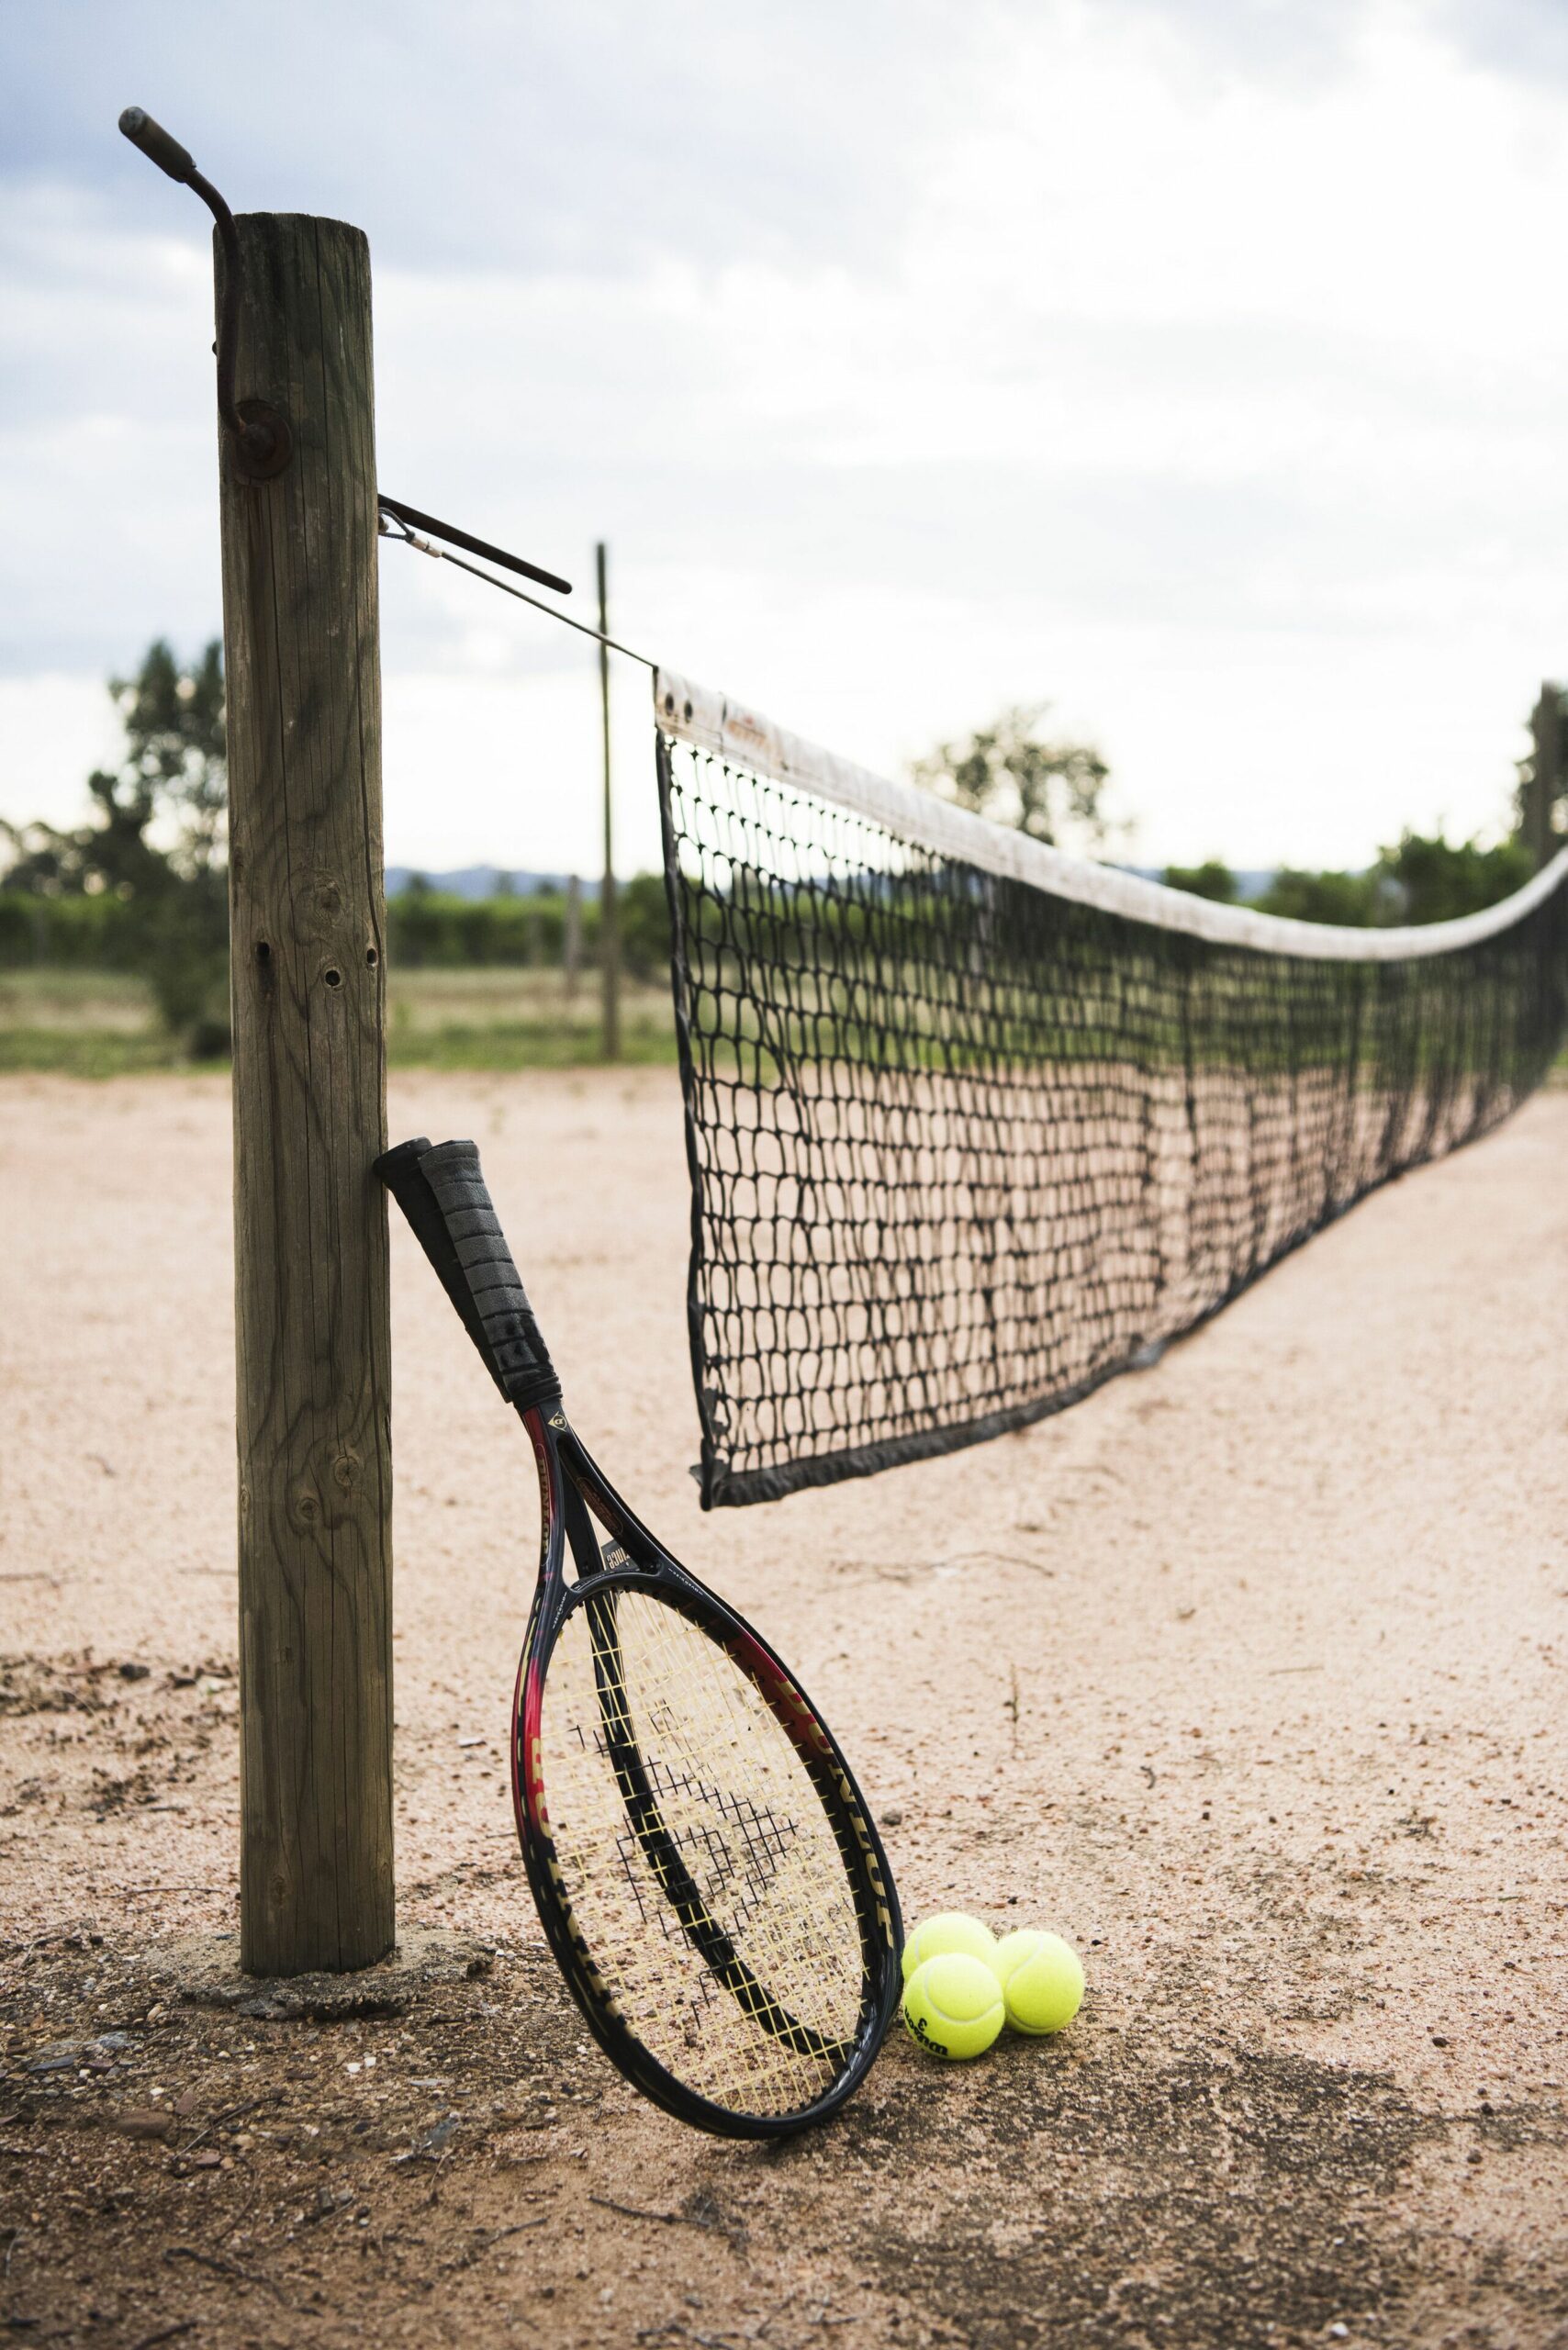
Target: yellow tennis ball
952,2005
1043,1988
1013,1947
939,1937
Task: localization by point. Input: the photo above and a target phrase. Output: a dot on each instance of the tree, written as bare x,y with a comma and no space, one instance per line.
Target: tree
172,780
176,753
156,840
1428,878
1421,879
1007,771
1348,900
1540,803
1211,879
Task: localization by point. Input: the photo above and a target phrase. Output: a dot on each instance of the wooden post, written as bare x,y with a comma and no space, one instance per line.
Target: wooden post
1547,775
308,975
609,914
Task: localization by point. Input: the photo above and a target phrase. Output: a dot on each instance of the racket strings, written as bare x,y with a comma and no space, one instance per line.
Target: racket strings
703,1873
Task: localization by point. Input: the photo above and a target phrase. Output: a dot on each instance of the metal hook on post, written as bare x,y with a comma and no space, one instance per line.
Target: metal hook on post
258,431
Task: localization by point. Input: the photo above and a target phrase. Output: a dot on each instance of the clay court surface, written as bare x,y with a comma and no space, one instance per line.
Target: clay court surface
1250,1676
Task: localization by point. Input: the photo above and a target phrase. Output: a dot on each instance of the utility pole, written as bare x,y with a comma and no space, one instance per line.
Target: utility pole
609,915
297,497
572,935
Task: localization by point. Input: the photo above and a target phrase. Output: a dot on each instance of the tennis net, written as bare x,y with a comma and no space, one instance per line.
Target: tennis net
973,1126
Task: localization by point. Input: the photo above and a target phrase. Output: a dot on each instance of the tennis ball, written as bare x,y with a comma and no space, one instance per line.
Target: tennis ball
1013,1947
938,1937
952,2005
1044,1985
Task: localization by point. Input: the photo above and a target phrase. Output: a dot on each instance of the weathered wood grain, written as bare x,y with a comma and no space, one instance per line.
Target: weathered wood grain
301,641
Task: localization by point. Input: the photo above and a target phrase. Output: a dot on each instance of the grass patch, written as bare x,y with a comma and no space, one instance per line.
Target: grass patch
107,1002
91,1052
492,1018
104,1024
505,1045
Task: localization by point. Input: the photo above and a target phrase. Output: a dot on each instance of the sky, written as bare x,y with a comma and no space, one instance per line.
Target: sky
1197,366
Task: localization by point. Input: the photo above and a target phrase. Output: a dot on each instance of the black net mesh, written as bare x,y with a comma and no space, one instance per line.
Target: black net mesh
961,1149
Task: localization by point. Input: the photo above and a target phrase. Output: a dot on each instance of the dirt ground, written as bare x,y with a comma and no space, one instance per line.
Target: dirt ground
1247,1675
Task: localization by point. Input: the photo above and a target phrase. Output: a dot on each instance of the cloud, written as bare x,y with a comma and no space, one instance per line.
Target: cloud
493,135
1522,40
1189,366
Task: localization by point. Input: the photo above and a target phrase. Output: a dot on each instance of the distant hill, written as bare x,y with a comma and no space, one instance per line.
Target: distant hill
1251,885
476,881
482,881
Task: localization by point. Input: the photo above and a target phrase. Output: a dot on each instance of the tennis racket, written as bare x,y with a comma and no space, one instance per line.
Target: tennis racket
704,1866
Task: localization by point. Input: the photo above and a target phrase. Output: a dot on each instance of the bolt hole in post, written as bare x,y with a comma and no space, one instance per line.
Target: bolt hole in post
371,957
333,976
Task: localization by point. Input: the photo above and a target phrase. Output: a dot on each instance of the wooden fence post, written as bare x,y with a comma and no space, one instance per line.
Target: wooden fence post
307,936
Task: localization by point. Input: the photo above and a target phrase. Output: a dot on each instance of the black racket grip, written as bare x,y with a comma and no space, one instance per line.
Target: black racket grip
443,1193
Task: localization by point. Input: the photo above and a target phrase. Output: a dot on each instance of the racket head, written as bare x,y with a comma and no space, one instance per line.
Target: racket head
704,1866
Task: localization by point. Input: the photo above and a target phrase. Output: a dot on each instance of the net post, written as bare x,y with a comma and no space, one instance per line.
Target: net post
608,912
308,932
1546,772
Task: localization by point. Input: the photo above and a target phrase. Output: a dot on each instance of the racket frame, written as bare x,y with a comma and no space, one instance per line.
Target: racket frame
561,1460
443,1193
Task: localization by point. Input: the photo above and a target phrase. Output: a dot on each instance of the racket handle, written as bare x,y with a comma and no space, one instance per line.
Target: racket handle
442,1191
